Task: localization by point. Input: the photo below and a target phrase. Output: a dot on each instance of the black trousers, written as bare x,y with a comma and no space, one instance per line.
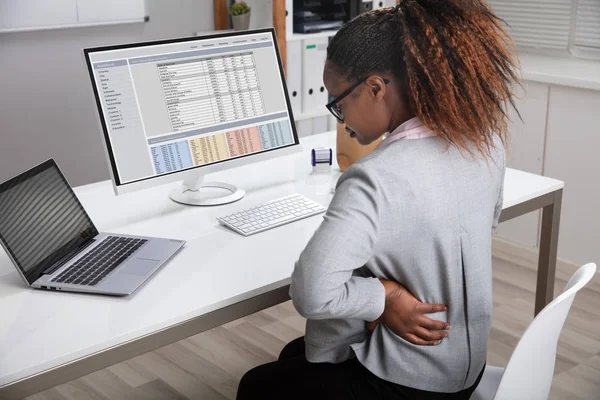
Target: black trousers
293,377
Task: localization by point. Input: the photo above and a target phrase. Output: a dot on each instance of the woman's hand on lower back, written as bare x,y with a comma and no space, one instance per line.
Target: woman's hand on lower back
404,314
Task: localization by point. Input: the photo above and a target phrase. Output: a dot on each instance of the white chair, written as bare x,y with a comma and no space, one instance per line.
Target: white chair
529,372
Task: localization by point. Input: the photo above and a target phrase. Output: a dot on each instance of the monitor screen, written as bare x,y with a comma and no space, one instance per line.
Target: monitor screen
175,105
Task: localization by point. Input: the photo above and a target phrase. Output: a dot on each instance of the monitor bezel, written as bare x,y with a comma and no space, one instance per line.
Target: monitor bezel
201,170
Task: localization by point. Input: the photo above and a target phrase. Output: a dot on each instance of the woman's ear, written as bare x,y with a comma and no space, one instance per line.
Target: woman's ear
377,86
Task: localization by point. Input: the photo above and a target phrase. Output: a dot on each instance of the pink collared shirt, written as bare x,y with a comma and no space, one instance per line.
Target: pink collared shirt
414,128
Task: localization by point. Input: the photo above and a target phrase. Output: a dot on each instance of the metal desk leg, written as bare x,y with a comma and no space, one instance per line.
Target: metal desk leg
544,292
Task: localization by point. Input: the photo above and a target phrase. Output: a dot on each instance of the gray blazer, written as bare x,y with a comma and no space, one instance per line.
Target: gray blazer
420,213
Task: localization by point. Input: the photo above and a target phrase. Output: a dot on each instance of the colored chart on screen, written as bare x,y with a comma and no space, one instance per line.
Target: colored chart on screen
207,149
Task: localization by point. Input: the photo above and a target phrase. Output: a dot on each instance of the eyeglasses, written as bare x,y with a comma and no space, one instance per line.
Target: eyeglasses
333,107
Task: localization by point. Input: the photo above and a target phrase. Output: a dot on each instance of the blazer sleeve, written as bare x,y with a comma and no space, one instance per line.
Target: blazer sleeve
323,285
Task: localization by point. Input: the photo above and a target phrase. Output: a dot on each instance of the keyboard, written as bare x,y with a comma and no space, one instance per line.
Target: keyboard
101,261
271,214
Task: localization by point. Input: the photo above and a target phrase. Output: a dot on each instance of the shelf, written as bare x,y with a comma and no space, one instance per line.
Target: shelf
205,33
311,114
304,36
574,72
290,38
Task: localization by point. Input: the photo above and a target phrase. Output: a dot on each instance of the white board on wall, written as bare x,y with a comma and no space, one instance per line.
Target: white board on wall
110,10
31,15
15,14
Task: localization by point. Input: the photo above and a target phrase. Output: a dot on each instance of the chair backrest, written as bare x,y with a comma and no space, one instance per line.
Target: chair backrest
529,372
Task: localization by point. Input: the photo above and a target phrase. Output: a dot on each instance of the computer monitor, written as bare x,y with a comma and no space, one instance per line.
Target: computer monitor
179,109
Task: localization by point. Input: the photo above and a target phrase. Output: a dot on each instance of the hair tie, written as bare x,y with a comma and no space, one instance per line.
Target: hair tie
397,8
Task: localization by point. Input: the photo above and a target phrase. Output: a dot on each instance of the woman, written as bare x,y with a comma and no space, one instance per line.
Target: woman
414,217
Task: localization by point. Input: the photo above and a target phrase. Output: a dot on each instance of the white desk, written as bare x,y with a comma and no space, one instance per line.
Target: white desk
47,338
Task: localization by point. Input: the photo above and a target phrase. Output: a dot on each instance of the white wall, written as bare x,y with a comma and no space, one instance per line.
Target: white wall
47,108
261,13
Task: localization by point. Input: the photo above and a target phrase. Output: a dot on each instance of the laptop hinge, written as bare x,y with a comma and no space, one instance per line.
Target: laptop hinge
51,269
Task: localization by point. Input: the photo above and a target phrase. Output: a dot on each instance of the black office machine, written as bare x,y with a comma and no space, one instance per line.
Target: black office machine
312,16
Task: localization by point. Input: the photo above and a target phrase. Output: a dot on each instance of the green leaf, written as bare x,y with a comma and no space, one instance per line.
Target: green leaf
239,8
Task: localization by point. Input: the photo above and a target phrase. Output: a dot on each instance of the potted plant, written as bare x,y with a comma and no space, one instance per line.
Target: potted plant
240,15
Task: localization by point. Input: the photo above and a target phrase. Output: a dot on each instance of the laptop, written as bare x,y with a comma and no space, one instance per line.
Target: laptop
54,244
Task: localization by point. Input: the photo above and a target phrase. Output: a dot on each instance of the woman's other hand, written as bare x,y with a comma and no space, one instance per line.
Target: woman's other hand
404,314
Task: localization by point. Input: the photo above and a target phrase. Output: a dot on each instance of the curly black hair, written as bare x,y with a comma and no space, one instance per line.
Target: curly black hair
453,59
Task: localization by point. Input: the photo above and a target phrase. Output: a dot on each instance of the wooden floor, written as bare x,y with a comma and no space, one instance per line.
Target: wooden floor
209,365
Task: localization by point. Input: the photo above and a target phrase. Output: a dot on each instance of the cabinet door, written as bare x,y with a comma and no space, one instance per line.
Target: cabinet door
304,127
319,124
572,149
31,14
526,152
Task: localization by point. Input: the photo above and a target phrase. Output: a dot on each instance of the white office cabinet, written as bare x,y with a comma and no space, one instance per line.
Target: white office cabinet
319,125
294,74
23,14
572,148
304,127
289,18
314,53
331,123
526,152
89,11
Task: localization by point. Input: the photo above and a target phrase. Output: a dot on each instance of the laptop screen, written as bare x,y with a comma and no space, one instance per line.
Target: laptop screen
41,219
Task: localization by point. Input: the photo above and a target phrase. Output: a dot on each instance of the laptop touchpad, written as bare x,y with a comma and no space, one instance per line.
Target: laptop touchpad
139,266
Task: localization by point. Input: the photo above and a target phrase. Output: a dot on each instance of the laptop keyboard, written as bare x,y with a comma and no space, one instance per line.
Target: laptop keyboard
99,262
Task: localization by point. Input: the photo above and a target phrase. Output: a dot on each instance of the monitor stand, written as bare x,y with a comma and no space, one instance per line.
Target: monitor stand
196,192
